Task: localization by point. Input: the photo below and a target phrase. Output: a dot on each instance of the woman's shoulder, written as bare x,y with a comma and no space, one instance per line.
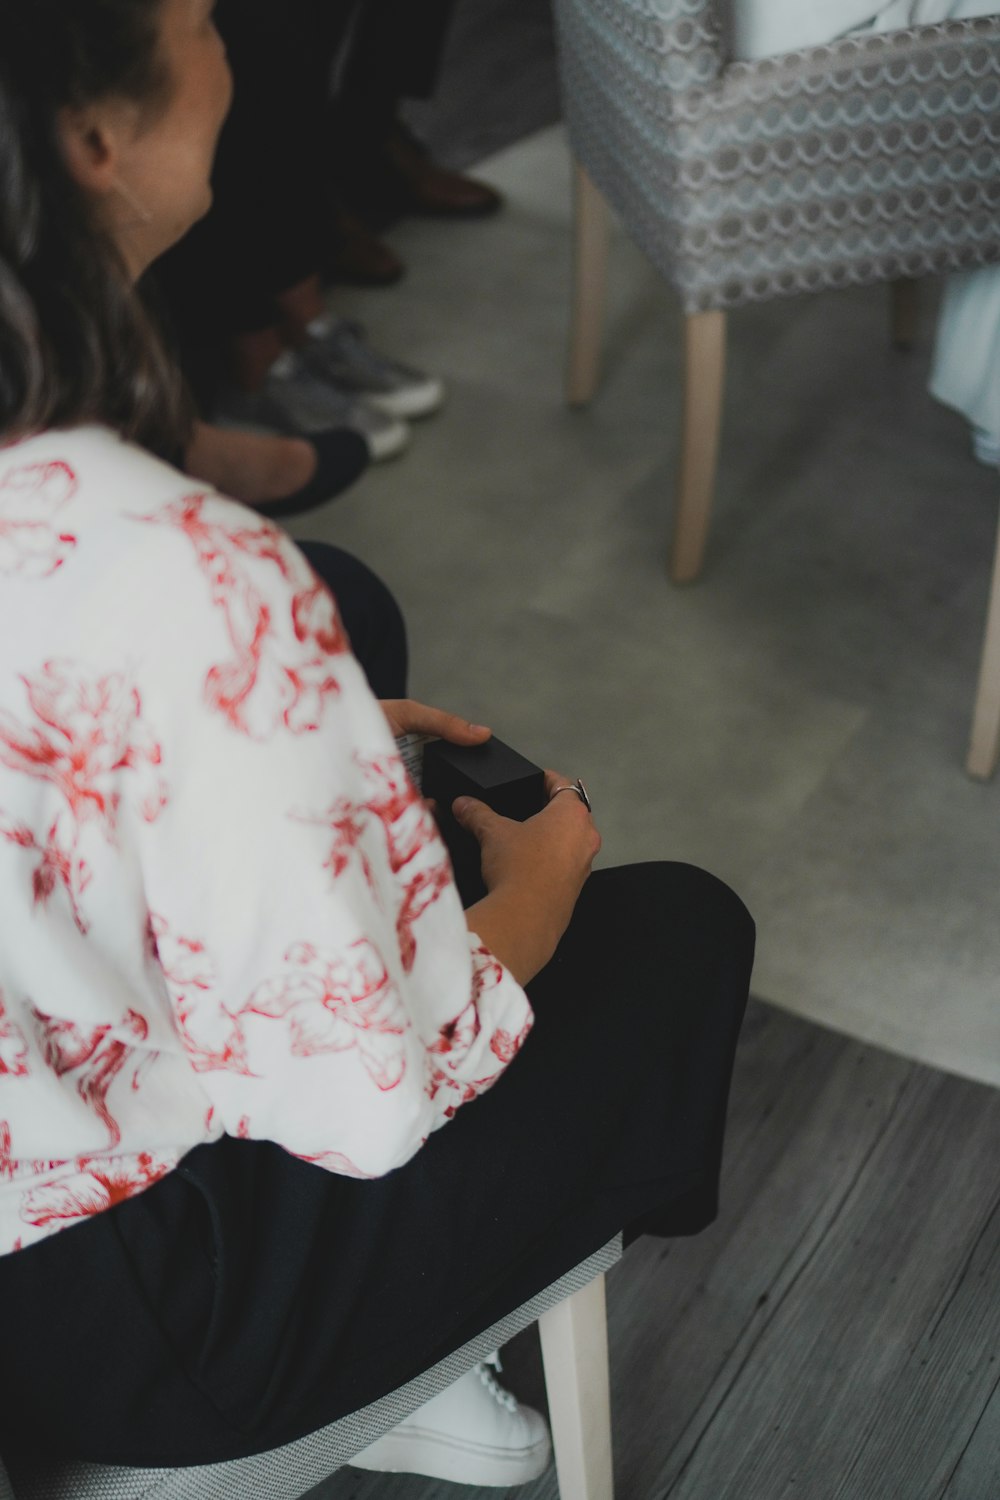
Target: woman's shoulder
86,493
92,464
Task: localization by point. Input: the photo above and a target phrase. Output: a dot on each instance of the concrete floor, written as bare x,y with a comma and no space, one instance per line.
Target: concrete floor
796,721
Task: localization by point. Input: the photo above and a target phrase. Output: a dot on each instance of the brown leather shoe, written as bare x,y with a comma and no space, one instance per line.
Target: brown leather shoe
426,188
359,258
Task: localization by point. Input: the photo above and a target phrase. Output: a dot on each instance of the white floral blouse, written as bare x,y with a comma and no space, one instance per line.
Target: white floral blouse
225,908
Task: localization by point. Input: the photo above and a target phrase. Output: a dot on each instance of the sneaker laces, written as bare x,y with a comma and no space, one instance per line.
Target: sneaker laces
485,1370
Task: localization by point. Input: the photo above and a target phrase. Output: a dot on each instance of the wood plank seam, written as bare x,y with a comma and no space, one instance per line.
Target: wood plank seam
776,1294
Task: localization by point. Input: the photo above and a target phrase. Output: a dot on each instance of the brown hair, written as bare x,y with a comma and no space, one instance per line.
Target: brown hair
78,342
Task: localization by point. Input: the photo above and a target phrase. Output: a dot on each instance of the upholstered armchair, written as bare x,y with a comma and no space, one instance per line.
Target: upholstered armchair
872,159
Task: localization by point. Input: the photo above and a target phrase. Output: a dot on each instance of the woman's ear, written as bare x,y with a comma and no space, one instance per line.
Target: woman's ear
91,140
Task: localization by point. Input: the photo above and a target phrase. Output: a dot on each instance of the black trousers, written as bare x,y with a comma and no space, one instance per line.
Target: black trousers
371,616
249,1298
317,83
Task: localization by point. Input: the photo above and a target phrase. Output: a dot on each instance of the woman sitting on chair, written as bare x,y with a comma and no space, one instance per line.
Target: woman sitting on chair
238,993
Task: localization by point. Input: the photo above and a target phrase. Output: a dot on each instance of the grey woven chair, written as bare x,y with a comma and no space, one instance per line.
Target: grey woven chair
573,1326
875,158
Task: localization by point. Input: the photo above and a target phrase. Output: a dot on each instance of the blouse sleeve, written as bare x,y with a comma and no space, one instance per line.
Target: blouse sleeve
315,959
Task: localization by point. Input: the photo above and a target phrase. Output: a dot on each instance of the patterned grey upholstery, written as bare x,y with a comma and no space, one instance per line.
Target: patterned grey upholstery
870,159
289,1472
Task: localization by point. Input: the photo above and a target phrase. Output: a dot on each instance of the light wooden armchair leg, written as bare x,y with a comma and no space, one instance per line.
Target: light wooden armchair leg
904,307
574,1337
592,231
984,748
704,375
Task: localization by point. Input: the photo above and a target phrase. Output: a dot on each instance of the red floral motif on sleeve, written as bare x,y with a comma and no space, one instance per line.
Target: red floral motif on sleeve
391,796
506,1045
276,676
336,1161
338,1001
87,733
13,1047
12,1167
421,891
213,1035
346,822
31,546
98,1184
392,800
409,829
95,1057
456,1039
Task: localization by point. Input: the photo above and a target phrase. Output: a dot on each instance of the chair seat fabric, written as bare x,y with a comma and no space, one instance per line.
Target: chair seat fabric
289,1472
869,159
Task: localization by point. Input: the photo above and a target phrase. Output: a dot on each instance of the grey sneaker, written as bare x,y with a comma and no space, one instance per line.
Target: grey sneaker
337,351
294,400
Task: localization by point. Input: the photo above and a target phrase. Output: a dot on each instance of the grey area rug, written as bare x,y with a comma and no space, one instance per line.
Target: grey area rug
797,721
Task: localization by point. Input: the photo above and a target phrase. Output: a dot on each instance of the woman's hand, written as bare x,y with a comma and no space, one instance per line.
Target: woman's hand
406,716
534,873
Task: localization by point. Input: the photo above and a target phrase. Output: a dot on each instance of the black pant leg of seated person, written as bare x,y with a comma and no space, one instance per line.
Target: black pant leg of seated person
371,616
249,1298
611,1118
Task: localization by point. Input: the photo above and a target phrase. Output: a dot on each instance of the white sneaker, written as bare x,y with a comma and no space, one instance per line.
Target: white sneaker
473,1432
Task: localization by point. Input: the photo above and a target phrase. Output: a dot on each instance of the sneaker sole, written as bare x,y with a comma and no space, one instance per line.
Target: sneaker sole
415,402
414,1451
387,443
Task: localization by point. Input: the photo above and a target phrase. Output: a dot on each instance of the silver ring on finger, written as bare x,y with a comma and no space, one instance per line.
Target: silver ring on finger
578,787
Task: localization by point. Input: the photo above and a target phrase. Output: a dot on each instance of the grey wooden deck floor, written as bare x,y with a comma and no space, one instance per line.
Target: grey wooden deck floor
836,1334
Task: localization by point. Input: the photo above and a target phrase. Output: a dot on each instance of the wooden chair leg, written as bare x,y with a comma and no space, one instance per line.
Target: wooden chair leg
592,231
904,306
984,747
704,374
574,1337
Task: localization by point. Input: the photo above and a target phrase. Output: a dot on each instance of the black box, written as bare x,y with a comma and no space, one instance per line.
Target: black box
492,773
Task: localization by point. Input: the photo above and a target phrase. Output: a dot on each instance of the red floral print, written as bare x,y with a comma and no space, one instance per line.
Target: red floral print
88,732
505,1045
346,821
331,1003
391,799
212,1034
97,1184
31,546
408,827
338,1001
95,1057
13,1047
395,801
457,1038
265,684
336,1161
422,890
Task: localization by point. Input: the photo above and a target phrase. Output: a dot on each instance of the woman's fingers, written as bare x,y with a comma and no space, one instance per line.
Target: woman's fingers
555,779
407,716
474,816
